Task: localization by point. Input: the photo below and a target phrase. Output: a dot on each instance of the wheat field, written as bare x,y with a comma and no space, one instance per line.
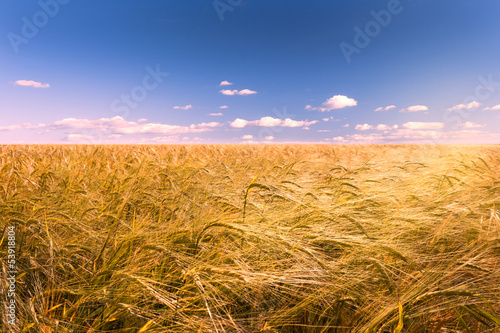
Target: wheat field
253,238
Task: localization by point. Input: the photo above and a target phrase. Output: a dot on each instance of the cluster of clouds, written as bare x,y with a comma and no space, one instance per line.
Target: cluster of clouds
117,127
271,122
416,132
229,92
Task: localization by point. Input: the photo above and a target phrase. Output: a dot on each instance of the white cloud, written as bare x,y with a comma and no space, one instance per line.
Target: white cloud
239,123
247,137
236,92
414,125
337,102
269,138
386,108
323,131
468,106
271,122
338,138
363,127
308,107
496,107
10,128
142,120
225,83
215,114
471,125
223,107
415,108
33,84
346,125
383,127
118,125
187,107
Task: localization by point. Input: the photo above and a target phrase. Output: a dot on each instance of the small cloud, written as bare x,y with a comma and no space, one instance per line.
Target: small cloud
33,84
225,83
414,125
223,107
363,127
236,92
215,114
386,108
336,102
187,107
142,120
383,127
323,131
247,137
468,106
308,107
338,138
496,107
269,138
471,125
239,123
415,108
346,125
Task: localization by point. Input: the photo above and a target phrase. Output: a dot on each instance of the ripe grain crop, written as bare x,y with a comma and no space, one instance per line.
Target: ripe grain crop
254,238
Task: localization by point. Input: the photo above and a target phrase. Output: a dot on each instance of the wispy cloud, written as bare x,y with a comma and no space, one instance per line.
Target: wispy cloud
247,137
271,122
363,127
415,108
237,92
423,125
496,107
335,102
118,125
215,114
383,127
223,107
29,83
469,124
468,106
187,107
385,108
225,83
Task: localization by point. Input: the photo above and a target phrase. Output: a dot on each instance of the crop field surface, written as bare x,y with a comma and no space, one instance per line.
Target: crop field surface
253,238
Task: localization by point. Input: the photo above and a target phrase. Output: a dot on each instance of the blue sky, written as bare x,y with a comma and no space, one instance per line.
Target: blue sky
249,71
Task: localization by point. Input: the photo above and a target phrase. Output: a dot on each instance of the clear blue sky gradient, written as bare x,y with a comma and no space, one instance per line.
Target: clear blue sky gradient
437,54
